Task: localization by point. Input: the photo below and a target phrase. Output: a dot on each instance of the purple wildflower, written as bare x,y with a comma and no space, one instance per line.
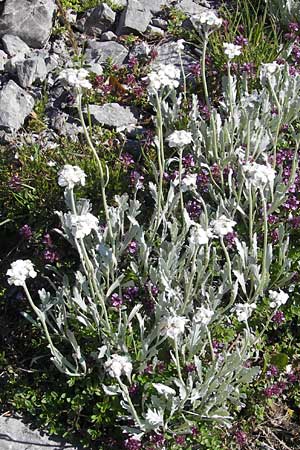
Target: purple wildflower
294,27
50,256
230,239
188,161
193,208
195,69
241,438
137,179
132,444
191,367
116,300
157,439
126,159
278,317
180,440
26,232
241,40
133,389
275,236
131,293
272,371
132,247
15,183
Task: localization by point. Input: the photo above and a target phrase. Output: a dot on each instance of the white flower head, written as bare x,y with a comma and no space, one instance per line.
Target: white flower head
278,298
69,176
180,44
118,365
19,271
164,76
232,50
222,226
179,138
189,182
154,418
208,19
163,389
244,311
259,175
173,326
76,78
203,315
199,236
270,68
81,225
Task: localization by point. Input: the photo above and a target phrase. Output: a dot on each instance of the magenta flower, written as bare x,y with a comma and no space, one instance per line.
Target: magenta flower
132,247
132,444
278,317
50,256
241,438
116,300
26,232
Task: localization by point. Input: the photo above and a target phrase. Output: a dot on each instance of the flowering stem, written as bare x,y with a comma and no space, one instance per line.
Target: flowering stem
180,179
250,218
40,316
102,184
227,258
178,362
203,71
265,248
133,410
213,356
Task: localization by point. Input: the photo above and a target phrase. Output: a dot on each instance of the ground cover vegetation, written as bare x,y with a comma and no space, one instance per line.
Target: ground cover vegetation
150,299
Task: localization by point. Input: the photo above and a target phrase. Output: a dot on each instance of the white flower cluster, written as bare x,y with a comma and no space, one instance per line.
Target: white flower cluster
207,18
232,50
259,175
81,225
278,298
244,311
269,69
166,76
222,226
203,315
199,236
118,365
69,176
173,326
179,138
189,182
19,272
76,78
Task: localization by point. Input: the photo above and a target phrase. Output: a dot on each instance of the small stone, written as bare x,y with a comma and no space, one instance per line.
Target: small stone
31,70
13,45
31,20
160,23
99,52
15,105
155,30
168,54
96,20
135,18
108,36
189,7
3,60
112,115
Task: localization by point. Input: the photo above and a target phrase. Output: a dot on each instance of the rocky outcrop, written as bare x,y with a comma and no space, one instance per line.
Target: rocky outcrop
15,105
31,20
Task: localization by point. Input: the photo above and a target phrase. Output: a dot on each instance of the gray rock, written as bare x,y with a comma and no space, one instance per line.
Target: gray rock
99,52
98,20
95,68
15,105
31,70
112,115
168,54
108,36
15,435
3,60
137,15
155,30
120,3
160,23
31,20
190,7
13,45
63,124
140,49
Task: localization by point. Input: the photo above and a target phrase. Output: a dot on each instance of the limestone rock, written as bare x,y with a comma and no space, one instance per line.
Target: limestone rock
30,70
112,115
31,20
168,54
15,435
13,45
190,7
99,52
15,105
97,20
3,60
